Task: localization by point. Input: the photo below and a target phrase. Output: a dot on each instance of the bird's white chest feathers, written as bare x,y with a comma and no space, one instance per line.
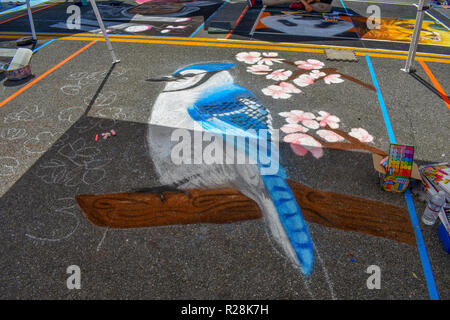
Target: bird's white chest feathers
170,110
171,107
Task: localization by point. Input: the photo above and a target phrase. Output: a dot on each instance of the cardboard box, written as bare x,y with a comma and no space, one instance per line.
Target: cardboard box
376,163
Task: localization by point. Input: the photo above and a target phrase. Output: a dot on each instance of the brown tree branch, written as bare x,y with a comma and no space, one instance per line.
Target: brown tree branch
327,71
345,212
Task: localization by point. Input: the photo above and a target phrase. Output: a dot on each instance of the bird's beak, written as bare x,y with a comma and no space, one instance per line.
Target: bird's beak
163,79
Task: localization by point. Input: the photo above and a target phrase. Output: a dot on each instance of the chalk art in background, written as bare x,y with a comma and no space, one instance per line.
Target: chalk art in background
309,133
205,96
81,80
58,223
303,25
111,112
289,80
74,164
29,113
94,125
41,142
80,91
432,32
26,133
11,134
151,18
8,166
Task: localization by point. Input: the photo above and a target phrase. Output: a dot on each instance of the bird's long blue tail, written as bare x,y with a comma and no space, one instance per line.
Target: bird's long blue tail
291,218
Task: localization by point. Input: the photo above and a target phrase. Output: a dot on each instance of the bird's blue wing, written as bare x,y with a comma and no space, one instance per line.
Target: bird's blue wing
232,110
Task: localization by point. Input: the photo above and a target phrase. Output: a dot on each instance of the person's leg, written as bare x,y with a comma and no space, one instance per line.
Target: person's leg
307,6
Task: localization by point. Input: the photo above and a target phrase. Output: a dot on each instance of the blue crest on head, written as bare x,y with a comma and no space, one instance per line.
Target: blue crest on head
207,67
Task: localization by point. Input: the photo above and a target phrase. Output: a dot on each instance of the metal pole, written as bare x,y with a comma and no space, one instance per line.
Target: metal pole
30,18
415,37
102,27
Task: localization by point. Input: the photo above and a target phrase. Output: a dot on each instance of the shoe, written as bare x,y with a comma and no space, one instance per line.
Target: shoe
297,6
254,3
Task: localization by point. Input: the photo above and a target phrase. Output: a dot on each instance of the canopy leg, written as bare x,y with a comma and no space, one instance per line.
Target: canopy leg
105,35
30,19
415,37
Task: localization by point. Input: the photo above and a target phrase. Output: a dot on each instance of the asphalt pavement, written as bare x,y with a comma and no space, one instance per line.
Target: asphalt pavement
51,120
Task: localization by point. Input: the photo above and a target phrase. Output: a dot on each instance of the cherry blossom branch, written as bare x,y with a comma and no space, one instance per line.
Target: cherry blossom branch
327,72
353,144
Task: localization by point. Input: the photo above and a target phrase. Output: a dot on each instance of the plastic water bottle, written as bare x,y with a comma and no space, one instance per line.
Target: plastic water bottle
434,205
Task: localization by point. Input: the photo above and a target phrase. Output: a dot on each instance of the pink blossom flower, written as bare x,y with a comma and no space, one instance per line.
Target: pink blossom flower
326,119
304,80
248,57
333,78
306,118
182,19
279,75
293,127
259,69
269,58
316,74
289,87
302,143
309,64
276,92
329,136
361,134
176,27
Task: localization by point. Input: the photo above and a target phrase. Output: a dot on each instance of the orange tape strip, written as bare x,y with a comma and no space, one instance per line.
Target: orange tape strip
42,76
25,14
237,22
435,83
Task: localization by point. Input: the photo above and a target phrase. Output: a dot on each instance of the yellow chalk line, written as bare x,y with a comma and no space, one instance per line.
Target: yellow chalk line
402,57
151,38
202,44
248,46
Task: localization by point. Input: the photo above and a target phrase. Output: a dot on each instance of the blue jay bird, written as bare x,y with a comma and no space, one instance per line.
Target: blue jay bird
204,96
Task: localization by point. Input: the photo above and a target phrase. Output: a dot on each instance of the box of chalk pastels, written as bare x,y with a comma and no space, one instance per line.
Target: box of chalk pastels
398,168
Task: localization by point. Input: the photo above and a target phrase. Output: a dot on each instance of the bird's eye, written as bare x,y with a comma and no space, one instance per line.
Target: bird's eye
186,79
190,73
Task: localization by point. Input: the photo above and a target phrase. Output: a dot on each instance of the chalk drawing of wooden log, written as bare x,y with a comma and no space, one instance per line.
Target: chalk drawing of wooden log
345,212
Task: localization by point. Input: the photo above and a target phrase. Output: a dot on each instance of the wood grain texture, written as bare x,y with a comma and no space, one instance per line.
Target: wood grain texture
344,212
134,210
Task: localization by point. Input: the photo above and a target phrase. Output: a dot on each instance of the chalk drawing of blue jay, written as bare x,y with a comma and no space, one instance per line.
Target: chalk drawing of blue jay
205,96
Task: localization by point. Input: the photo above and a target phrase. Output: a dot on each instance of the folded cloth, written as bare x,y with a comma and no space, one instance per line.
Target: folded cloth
321,6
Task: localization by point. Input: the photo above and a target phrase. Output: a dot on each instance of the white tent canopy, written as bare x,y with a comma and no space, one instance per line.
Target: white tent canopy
99,20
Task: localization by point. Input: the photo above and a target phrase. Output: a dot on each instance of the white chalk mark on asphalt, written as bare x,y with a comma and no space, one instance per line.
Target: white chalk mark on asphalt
327,277
103,238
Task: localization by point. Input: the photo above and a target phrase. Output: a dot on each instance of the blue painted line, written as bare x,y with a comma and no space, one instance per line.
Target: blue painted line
380,99
443,14
10,8
348,15
48,42
437,20
421,246
209,18
432,290
23,6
